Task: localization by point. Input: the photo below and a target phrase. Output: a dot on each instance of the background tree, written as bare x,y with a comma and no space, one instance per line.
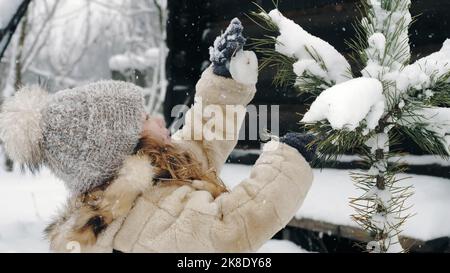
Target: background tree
11,13
64,43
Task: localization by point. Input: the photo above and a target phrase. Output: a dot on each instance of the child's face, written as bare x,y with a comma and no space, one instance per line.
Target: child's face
155,127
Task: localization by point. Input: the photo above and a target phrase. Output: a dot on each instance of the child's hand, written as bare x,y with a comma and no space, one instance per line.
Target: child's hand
225,47
300,141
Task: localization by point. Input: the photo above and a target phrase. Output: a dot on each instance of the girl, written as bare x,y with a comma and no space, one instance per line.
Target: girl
135,189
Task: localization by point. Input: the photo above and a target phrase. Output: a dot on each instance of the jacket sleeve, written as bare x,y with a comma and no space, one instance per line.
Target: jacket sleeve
212,125
264,203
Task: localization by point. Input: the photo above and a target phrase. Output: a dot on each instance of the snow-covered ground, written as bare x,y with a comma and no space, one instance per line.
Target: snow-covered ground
281,246
331,190
28,202
26,205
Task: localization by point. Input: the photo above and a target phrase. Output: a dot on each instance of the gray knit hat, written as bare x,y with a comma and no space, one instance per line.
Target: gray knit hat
81,134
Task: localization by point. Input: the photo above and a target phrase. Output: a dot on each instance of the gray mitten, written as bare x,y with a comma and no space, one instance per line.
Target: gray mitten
300,141
225,47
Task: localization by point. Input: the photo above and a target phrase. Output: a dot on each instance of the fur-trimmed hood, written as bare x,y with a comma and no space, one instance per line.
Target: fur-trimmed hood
85,216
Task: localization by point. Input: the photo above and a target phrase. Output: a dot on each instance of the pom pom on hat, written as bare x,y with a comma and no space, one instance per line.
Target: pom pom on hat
20,125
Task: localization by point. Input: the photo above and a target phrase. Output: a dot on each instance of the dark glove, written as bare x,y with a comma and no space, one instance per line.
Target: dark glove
299,141
225,47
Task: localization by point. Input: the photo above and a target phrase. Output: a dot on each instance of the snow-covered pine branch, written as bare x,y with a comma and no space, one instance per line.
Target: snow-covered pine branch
349,105
299,58
429,127
421,78
314,56
386,29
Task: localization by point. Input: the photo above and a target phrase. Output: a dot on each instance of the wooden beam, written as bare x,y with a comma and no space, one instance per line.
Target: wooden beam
348,232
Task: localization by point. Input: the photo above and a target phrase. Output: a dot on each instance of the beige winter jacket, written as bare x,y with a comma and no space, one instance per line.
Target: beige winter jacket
149,218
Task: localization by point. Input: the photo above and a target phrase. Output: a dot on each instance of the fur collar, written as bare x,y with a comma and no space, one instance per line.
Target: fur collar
84,217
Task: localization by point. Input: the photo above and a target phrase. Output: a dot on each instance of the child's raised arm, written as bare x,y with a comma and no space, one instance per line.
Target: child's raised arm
212,124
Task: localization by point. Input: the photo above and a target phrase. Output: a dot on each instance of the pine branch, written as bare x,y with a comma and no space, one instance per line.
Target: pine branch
262,19
311,84
426,139
281,64
331,143
307,83
396,51
413,125
439,93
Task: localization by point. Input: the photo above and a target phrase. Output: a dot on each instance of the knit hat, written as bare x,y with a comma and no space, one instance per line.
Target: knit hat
81,134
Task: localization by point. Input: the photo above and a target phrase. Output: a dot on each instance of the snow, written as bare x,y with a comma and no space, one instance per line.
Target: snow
244,67
422,160
7,10
389,24
162,3
328,199
374,70
123,62
378,141
308,66
430,203
375,53
406,158
385,196
295,42
383,221
438,121
378,42
388,41
347,104
281,246
422,74
27,204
